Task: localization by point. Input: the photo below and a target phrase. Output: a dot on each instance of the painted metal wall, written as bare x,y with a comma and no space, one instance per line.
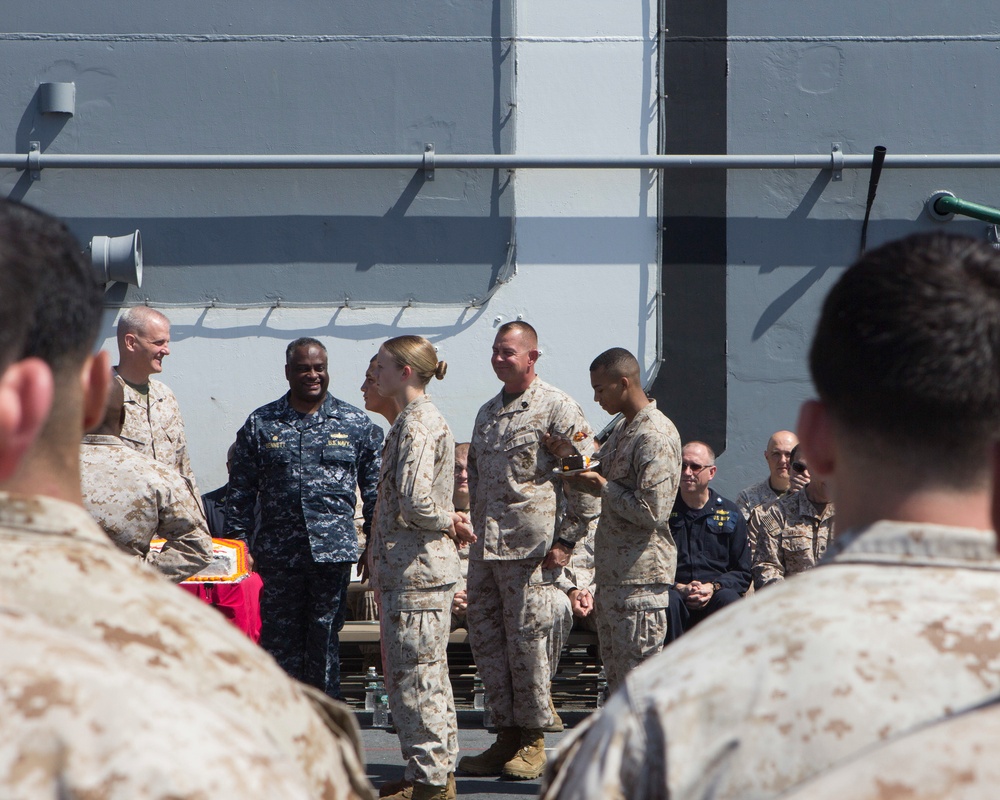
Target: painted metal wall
748,255
918,78
352,77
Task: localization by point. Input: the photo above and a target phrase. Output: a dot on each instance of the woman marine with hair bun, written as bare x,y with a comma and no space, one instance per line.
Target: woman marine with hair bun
414,567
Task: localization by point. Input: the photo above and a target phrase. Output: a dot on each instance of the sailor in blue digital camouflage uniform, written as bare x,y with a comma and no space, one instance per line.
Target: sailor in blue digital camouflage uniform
302,456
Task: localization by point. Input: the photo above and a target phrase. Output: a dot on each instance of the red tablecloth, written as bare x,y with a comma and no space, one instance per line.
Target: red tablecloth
239,602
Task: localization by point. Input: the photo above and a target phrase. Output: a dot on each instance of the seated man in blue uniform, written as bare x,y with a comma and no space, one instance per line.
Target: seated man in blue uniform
713,557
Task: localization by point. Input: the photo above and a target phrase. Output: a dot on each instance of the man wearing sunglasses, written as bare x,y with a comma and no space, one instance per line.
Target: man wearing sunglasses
899,626
713,558
792,534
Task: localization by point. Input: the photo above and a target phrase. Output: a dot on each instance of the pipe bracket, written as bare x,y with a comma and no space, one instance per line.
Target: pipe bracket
35,160
429,161
837,161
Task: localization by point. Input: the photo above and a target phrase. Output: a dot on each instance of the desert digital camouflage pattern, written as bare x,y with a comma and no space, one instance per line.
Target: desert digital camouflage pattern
59,565
415,624
415,566
410,543
511,486
642,464
136,499
75,723
954,759
562,627
510,624
631,627
634,551
760,494
791,537
154,426
515,499
579,573
770,692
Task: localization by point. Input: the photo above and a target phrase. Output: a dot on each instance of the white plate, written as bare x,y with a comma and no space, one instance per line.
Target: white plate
594,463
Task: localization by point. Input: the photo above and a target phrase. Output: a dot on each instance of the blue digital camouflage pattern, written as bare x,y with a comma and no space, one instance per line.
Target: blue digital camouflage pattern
304,469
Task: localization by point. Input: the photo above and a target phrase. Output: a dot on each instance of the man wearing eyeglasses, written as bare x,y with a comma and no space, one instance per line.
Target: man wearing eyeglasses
793,533
777,484
713,558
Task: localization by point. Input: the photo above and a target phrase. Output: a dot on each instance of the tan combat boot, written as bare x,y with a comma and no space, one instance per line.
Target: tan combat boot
422,791
403,789
529,761
491,761
555,724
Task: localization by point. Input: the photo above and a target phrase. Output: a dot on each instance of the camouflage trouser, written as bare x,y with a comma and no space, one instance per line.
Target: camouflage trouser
415,624
562,624
510,619
631,626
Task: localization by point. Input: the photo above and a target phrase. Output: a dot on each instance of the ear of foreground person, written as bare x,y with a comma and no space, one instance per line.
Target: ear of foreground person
898,626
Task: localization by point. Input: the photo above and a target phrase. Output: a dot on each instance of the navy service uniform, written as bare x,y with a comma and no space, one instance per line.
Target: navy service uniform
303,469
711,548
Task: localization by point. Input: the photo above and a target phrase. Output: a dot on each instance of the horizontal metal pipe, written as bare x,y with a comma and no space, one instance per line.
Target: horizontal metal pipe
489,161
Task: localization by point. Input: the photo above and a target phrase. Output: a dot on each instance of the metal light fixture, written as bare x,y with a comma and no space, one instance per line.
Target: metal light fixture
57,98
117,258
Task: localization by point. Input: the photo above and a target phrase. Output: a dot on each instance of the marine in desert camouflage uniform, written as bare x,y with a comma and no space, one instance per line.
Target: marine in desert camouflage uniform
415,567
793,534
75,723
777,484
898,627
153,422
80,582
60,567
460,499
634,551
136,499
514,513
576,581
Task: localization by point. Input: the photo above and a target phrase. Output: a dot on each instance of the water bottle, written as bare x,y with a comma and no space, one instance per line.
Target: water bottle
380,713
602,688
480,702
478,693
371,684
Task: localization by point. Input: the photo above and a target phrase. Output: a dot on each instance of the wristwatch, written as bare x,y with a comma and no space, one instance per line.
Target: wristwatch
716,587
566,543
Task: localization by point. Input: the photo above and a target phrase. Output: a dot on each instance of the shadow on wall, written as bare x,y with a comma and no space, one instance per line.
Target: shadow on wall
768,244
34,126
323,259
334,328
